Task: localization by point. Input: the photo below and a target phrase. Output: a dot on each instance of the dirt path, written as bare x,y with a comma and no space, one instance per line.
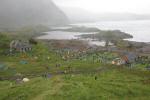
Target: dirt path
54,90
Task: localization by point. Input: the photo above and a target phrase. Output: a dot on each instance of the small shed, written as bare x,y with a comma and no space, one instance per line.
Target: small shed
129,57
20,46
125,58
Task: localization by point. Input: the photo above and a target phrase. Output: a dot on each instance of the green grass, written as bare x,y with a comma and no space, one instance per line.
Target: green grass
112,84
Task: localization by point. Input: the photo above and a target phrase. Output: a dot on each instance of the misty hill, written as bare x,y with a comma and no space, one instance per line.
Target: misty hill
77,15
20,13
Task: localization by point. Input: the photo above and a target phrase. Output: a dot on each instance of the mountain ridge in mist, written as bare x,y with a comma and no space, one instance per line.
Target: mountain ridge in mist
77,15
20,13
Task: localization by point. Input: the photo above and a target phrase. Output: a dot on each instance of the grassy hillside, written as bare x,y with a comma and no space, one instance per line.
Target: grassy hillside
83,78
114,84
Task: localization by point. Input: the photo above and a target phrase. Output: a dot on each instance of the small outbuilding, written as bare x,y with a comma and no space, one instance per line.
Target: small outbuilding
125,58
20,46
129,57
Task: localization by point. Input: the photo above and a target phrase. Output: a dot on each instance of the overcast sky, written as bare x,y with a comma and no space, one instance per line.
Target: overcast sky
102,6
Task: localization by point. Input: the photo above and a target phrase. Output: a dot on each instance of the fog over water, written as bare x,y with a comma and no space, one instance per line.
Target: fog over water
140,29
130,16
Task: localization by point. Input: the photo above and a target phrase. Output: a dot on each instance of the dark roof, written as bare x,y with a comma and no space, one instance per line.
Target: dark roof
23,45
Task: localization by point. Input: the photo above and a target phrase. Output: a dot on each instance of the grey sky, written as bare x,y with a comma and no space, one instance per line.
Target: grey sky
102,6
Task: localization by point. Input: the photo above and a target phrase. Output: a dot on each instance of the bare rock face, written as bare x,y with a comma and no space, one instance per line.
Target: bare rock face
20,13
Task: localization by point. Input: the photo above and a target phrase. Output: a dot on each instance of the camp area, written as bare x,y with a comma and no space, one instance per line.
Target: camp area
52,69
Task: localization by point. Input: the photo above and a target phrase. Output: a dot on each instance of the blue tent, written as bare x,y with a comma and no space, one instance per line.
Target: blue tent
3,67
23,62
